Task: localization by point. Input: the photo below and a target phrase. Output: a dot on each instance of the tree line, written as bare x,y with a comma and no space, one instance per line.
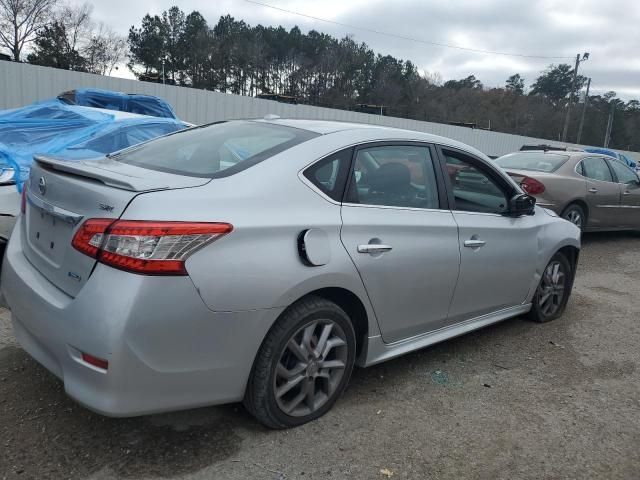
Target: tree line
59,35
319,69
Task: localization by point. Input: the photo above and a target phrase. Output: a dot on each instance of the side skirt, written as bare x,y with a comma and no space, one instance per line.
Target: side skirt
378,351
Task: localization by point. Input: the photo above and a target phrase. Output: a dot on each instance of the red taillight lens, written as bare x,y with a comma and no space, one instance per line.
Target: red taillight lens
532,186
151,248
23,201
88,238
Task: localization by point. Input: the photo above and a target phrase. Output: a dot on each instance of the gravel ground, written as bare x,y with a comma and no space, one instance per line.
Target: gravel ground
515,400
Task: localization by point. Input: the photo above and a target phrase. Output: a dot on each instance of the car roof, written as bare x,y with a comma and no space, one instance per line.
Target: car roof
326,127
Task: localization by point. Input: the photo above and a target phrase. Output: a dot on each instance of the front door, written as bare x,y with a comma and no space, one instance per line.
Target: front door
498,252
630,199
603,194
403,244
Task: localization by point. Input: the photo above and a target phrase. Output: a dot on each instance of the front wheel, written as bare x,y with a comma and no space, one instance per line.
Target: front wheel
303,365
554,289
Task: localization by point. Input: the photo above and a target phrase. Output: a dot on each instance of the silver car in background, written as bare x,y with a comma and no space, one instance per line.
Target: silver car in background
261,260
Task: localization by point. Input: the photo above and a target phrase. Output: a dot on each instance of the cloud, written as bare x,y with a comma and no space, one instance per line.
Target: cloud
609,31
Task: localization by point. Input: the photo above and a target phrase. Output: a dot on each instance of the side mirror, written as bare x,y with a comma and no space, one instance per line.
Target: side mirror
522,204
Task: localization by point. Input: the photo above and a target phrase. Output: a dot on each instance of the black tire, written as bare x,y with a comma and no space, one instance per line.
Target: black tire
575,214
275,352
545,305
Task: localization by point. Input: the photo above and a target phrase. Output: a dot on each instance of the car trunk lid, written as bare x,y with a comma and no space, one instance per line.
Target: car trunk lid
61,195
519,175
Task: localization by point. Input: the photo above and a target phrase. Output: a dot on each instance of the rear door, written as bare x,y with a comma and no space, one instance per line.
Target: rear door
498,252
401,240
629,216
603,193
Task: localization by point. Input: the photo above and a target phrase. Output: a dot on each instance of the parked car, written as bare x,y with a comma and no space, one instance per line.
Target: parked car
121,102
593,191
261,260
612,153
55,128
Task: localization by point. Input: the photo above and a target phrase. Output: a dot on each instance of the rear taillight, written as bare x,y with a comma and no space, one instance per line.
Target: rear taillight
151,248
532,186
23,201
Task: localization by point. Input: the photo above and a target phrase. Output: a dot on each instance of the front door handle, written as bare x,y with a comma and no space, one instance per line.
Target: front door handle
593,190
626,192
374,248
474,243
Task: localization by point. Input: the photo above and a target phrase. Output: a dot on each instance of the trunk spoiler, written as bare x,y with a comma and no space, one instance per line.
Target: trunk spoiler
106,171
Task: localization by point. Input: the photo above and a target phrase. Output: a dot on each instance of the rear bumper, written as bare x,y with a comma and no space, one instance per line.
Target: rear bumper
166,349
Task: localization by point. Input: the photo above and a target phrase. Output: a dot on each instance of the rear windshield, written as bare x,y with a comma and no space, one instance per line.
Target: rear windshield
214,151
537,162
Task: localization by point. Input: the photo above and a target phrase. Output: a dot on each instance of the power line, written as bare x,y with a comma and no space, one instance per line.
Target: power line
411,39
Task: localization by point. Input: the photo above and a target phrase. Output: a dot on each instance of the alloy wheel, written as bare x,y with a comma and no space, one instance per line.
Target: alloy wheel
552,289
311,367
575,217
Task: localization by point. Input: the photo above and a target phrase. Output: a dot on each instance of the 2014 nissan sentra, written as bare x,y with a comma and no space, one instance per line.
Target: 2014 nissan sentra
261,260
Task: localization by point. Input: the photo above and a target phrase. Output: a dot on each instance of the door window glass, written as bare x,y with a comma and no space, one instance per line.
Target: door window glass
329,174
395,176
624,173
597,169
473,189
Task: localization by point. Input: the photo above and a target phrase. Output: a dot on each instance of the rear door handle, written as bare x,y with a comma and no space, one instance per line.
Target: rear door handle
593,190
626,192
374,248
474,243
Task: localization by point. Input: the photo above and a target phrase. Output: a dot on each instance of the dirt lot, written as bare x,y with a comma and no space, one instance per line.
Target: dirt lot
516,400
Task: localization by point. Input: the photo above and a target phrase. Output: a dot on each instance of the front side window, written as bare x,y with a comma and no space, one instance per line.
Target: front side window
217,150
596,168
394,176
625,174
473,189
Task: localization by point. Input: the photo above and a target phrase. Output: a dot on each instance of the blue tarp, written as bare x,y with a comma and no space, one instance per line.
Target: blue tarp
55,128
123,102
612,153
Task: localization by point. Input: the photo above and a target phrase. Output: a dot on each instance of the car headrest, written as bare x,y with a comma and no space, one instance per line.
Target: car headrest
390,178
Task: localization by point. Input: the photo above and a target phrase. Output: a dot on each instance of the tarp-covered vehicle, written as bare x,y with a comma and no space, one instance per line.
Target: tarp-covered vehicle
57,128
122,102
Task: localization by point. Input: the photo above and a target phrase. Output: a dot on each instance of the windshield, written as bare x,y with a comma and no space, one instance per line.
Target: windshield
536,162
214,151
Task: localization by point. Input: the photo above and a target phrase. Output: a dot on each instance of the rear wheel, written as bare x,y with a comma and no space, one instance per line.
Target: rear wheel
576,215
303,365
553,291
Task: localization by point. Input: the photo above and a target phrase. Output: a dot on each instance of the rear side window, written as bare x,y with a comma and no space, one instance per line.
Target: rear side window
329,174
597,169
214,151
394,176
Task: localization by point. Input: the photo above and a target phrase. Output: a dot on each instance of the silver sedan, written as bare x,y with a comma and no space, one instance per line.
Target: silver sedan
259,261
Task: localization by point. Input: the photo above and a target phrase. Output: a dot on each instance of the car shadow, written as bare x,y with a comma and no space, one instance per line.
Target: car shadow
595,238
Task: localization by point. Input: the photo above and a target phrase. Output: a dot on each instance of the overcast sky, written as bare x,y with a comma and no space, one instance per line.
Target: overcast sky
608,30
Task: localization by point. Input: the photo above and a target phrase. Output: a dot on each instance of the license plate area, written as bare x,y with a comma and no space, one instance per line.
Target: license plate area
48,235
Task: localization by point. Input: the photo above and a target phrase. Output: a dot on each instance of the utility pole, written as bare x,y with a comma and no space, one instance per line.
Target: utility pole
584,110
565,130
607,136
